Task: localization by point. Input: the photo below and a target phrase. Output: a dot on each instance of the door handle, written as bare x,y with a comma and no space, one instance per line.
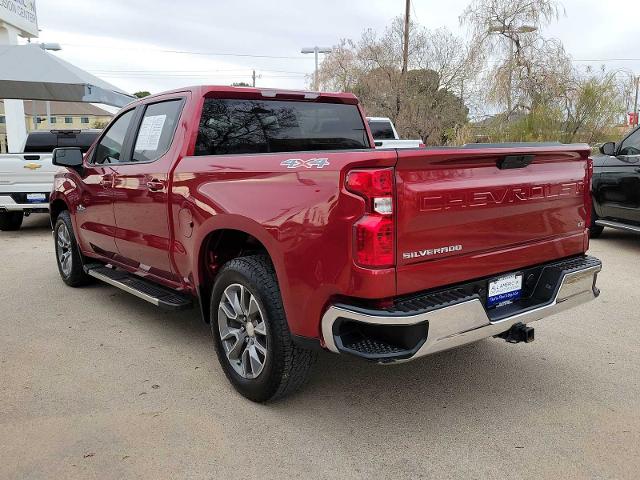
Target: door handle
106,181
155,185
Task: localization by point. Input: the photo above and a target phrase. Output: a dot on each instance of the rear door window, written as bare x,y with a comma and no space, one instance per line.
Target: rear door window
230,126
156,130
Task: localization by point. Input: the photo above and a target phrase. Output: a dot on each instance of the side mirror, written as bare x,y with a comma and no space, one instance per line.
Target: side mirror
608,148
68,157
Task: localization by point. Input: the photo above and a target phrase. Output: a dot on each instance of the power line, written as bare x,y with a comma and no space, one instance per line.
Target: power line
215,71
226,54
128,75
187,52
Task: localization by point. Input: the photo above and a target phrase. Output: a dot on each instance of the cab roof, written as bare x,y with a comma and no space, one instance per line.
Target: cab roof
220,91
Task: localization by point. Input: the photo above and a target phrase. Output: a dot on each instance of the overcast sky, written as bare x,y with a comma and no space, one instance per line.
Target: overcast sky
133,44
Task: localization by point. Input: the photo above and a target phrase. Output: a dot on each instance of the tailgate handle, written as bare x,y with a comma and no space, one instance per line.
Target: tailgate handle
32,157
515,161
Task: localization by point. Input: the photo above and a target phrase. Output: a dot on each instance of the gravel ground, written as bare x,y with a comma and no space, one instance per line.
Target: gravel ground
95,383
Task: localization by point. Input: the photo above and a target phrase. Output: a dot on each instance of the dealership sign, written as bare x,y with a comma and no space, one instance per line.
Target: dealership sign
20,14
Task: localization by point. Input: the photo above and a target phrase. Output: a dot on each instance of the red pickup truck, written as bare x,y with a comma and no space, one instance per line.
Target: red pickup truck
274,213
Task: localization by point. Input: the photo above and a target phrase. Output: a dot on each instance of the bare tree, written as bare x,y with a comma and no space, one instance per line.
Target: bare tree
506,34
594,104
505,17
426,102
340,70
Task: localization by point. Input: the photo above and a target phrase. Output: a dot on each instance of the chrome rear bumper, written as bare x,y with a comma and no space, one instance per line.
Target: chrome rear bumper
8,204
20,207
467,321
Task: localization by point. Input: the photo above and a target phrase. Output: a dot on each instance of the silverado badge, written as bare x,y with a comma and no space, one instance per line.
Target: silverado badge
431,251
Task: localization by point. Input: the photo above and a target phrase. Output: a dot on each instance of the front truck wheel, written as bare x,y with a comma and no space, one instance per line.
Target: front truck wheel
10,221
251,333
68,257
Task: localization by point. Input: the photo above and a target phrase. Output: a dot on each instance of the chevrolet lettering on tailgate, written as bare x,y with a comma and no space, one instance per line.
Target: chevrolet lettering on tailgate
503,196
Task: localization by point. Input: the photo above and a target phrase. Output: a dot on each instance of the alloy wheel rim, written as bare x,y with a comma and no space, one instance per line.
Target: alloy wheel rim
243,331
63,248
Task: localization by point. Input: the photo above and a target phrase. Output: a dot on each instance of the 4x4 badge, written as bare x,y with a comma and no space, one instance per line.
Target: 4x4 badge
310,163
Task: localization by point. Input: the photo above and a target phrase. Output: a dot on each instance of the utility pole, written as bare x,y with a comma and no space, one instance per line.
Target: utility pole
635,104
405,51
316,50
253,77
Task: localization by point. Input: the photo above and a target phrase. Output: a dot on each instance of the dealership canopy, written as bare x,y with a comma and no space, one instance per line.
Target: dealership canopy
29,72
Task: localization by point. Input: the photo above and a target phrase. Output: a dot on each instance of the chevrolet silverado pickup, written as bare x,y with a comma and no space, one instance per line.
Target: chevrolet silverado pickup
26,178
272,212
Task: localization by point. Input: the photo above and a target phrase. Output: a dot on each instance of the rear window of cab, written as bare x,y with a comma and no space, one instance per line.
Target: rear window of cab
231,126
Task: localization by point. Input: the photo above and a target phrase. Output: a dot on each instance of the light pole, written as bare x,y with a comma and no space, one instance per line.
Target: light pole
54,47
316,50
506,31
13,108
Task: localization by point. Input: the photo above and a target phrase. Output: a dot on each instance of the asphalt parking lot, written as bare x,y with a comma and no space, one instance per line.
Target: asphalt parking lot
95,383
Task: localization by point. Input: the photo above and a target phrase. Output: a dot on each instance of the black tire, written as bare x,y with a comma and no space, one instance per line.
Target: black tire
10,221
594,230
285,366
75,275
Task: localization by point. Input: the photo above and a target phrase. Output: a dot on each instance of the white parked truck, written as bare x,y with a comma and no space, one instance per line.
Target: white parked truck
385,134
26,179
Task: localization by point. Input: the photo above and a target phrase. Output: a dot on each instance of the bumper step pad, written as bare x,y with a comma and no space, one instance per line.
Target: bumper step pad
144,289
370,347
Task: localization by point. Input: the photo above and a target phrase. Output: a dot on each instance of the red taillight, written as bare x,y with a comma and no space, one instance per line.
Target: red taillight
375,231
374,241
371,183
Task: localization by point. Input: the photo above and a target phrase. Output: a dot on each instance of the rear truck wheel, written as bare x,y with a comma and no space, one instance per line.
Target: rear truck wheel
594,230
251,333
10,221
68,258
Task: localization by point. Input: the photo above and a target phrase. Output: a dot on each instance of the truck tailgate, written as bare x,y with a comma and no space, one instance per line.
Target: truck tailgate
471,212
26,172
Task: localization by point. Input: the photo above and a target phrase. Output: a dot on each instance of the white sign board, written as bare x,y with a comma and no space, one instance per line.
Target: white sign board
150,132
20,14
